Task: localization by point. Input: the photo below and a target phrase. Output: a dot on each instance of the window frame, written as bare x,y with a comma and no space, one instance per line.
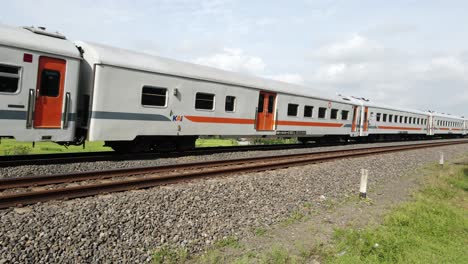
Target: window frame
336,113
19,74
233,104
155,106
324,115
201,109
347,115
297,110
311,111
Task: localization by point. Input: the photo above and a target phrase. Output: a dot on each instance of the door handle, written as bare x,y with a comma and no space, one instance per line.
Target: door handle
256,115
31,104
66,110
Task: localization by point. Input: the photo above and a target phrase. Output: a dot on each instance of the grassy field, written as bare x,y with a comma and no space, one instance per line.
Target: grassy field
431,229
12,147
215,142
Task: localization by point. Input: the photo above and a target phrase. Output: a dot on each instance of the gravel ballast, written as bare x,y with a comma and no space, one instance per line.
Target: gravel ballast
128,226
38,170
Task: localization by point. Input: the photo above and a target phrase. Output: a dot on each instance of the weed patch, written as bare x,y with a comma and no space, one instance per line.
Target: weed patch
431,229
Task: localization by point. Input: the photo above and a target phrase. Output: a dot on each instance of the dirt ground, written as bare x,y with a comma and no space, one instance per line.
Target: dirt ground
317,227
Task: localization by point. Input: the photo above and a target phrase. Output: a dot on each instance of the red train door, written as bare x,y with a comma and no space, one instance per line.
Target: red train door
366,119
49,93
355,113
266,111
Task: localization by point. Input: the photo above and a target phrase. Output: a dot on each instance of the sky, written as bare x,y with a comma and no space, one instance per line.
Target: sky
409,53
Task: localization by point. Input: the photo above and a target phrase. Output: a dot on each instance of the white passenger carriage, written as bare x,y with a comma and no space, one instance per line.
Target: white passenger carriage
446,125
393,122
156,101
38,85
54,90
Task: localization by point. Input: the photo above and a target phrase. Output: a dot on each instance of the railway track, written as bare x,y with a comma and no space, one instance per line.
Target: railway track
68,158
30,190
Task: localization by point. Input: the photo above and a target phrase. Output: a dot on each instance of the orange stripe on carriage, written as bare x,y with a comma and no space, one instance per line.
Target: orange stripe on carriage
399,128
314,124
220,120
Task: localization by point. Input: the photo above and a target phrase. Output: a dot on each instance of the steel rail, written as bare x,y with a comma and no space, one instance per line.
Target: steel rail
67,158
32,181
220,168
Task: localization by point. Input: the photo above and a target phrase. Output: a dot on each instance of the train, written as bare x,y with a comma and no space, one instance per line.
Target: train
54,89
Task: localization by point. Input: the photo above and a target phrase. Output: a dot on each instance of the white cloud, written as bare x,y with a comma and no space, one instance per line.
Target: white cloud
237,61
355,49
234,60
364,67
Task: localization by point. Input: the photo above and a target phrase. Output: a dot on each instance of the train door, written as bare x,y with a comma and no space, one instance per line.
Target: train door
356,121
365,122
266,111
430,126
49,93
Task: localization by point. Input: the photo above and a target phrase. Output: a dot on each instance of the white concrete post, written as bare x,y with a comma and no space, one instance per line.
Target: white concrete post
363,187
441,160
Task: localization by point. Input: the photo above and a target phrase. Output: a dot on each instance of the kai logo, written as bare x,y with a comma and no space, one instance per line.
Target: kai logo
177,118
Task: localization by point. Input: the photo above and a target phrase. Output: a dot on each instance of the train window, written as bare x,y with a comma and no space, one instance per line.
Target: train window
401,119
261,99
292,109
344,115
322,112
271,103
384,118
154,96
308,111
378,117
334,114
406,120
410,120
204,101
390,118
396,118
50,83
9,79
230,103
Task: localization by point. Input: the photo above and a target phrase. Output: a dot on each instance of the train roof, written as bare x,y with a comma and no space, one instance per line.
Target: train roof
447,116
37,39
387,107
103,54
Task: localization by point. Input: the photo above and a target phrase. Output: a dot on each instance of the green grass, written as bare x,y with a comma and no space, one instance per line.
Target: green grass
230,241
12,147
215,142
166,255
431,229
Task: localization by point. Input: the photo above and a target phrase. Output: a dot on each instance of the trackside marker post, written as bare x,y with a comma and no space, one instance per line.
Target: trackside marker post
363,187
441,160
